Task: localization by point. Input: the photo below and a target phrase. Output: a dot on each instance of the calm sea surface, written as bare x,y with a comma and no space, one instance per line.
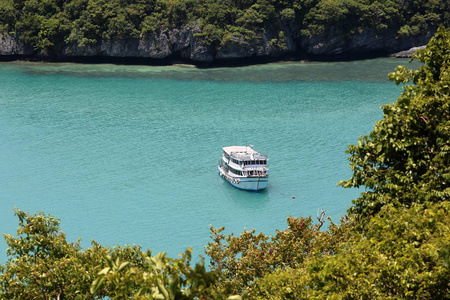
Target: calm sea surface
128,154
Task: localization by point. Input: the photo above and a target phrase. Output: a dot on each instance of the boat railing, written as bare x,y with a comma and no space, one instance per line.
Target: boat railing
264,154
247,156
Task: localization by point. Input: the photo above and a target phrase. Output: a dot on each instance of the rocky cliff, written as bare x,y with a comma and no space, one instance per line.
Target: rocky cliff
161,45
368,43
183,44
11,45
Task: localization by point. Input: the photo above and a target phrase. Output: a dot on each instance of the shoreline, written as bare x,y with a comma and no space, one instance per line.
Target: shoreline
224,63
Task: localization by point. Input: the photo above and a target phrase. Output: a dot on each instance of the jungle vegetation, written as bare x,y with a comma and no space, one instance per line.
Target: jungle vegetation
48,25
394,242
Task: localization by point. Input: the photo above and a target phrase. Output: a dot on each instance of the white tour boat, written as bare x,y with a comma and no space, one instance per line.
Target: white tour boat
244,167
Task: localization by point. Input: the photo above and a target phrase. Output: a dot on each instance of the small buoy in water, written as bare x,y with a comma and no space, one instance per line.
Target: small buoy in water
293,197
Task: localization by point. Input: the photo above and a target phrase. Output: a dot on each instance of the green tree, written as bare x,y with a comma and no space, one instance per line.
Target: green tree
7,15
43,265
211,35
245,258
406,157
403,254
159,278
50,25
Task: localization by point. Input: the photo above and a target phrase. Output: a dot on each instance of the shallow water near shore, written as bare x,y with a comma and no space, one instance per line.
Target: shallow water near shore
128,154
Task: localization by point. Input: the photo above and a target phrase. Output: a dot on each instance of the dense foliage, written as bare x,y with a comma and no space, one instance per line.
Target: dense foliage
403,254
50,24
394,243
405,159
241,260
43,265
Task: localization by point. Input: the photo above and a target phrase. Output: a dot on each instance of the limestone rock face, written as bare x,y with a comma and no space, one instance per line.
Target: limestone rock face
183,44
368,42
155,47
12,45
158,45
407,53
268,45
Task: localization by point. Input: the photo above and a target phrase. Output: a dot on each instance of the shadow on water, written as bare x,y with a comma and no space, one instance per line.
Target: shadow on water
288,71
246,200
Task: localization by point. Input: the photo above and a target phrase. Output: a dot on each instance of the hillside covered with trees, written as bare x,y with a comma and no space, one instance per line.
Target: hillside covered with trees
393,244
222,28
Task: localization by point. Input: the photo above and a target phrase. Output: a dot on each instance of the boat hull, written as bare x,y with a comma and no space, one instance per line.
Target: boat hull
245,183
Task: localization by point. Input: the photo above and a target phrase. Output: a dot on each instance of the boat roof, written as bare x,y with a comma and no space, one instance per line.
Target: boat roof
244,152
242,149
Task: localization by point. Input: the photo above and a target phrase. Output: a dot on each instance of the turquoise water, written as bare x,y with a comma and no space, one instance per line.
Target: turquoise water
128,154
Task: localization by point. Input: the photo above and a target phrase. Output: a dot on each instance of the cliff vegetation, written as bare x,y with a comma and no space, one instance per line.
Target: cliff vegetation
59,27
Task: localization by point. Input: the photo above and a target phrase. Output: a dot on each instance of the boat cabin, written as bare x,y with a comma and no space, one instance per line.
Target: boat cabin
244,156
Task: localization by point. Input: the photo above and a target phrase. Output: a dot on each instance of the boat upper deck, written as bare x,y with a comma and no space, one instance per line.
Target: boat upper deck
244,153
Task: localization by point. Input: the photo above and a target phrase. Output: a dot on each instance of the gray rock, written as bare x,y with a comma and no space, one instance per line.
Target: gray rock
408,53
10,44
190,47
182,43
269,45
367,42
153,46
157,45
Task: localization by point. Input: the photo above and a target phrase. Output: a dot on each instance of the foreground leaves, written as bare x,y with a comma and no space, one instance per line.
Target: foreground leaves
43,265
159,278
403,254
406,158
245,258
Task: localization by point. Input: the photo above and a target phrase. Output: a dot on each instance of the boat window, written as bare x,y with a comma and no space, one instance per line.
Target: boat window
237,172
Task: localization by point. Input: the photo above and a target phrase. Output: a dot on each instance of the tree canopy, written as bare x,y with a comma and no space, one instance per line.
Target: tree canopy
43,265
49,25
405,159
403,254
